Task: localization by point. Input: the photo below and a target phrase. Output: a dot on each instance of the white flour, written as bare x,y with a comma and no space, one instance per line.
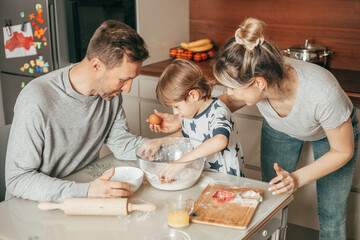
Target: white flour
248,197
184,179
138,216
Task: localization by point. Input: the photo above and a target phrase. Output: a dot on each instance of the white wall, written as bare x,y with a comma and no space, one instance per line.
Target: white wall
163,24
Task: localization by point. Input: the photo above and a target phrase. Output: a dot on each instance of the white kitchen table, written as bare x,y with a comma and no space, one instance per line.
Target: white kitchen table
21,219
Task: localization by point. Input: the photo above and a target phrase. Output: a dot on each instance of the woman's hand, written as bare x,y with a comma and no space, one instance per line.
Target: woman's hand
284,182
103,188
170,123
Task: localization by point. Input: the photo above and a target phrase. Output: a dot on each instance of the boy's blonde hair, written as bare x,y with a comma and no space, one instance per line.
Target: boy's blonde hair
178,79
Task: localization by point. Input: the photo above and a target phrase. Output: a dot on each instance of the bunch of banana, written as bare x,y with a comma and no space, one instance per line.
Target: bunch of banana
197,46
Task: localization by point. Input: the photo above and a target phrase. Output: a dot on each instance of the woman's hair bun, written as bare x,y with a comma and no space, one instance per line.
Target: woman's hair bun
250,33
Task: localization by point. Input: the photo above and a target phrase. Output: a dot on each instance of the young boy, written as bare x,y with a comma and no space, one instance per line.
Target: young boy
183,87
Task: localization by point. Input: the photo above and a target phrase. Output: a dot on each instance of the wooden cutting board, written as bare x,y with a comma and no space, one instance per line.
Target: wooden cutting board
232,214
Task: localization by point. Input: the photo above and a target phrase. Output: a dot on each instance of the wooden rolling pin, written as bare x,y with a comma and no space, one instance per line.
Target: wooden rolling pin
97,206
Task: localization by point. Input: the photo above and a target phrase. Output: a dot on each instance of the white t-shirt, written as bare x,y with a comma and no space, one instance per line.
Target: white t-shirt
320,104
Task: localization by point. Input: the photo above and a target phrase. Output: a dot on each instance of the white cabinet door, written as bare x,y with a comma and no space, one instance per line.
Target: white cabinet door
250,110
250,133
134,88
132,110
147,87
146,109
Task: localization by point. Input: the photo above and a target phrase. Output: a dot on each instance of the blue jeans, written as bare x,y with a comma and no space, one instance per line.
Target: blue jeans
332,189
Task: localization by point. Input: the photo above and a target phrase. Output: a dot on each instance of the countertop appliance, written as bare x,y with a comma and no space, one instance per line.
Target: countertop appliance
44,35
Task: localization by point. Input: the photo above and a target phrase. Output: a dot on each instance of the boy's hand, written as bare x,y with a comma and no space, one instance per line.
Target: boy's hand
170,123
103,188
169,172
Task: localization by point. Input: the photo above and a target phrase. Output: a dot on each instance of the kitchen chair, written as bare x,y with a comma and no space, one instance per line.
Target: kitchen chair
4,135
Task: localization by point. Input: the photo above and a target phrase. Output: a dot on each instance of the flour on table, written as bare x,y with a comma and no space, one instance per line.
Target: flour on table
247,197
138,216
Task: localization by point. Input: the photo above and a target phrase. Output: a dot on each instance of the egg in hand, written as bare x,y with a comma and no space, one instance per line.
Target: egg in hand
154,119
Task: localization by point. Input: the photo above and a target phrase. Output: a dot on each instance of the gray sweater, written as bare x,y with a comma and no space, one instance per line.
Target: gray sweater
56,131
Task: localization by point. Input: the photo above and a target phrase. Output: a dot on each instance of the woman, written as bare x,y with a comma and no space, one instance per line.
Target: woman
300,102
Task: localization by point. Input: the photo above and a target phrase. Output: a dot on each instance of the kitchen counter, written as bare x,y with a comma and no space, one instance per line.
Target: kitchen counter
21,219
349,80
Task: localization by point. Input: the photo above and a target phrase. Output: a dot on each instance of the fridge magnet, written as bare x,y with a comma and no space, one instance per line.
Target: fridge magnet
20,44
37,45
7,27
39,69
23,26
39,17
39,63
39,32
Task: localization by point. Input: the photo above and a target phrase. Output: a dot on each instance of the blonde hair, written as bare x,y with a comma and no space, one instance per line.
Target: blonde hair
248,55
178,79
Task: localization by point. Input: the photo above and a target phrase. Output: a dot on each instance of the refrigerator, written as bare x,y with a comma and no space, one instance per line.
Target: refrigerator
44,35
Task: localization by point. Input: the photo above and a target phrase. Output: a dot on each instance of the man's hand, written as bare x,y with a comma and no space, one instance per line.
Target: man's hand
170,123
148,149
101,187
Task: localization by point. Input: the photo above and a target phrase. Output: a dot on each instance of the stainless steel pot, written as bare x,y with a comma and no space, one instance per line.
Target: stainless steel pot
309,53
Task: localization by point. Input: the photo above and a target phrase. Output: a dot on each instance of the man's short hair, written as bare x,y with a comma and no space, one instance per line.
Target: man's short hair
112,40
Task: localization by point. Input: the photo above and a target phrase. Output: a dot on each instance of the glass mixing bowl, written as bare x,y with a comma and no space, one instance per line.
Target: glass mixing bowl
171,149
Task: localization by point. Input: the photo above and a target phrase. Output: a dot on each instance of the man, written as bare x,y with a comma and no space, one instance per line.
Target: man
62,119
